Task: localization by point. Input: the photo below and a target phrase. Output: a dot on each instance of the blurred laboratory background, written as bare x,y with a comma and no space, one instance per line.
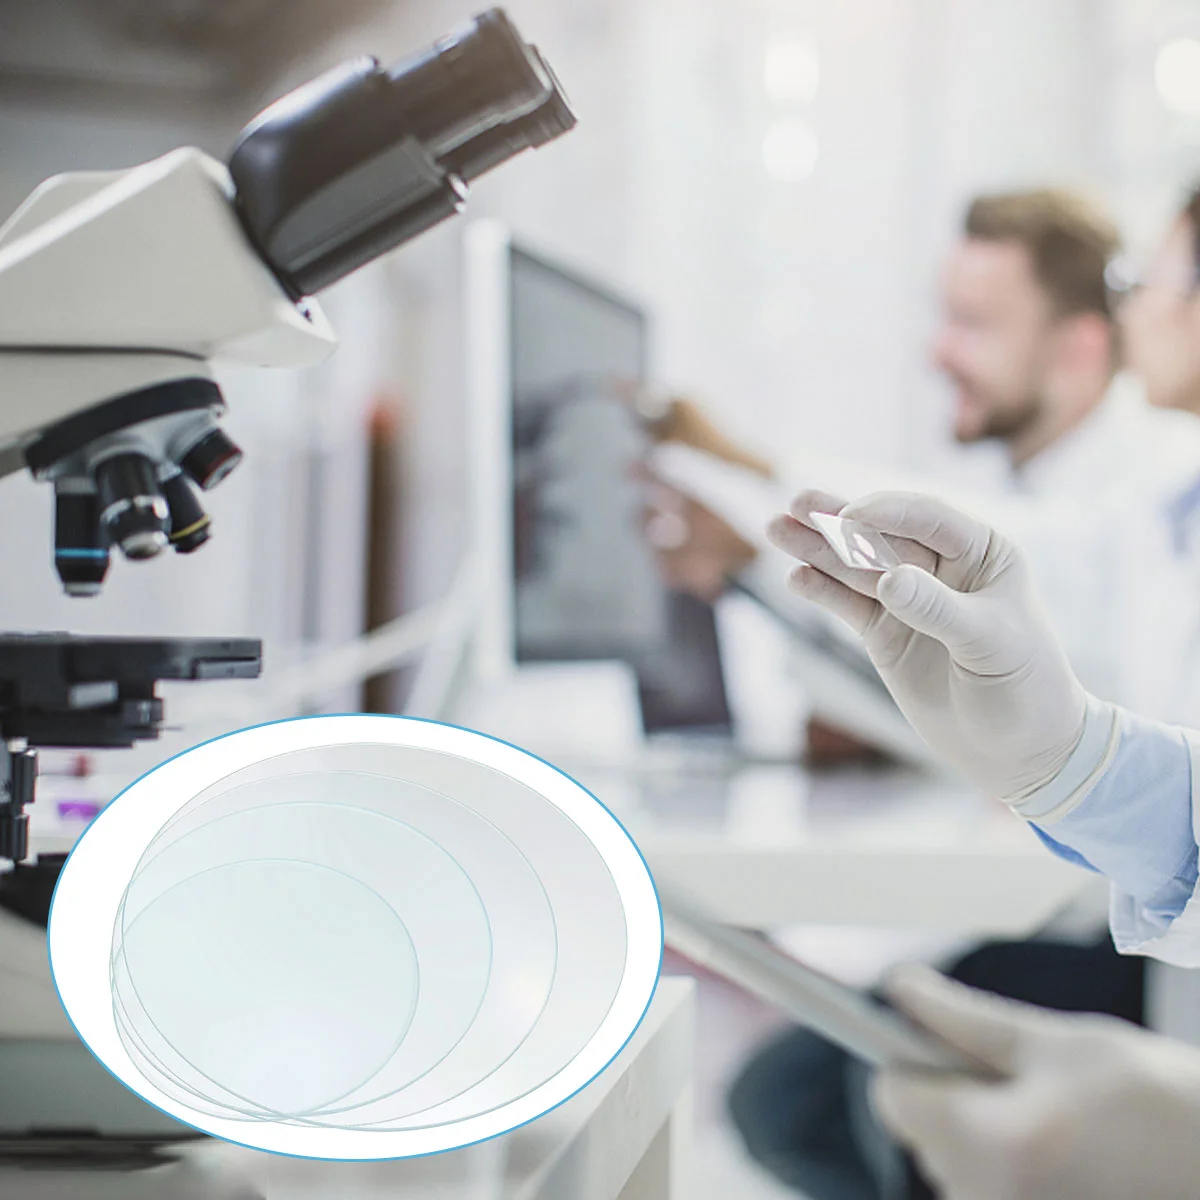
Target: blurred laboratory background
754,212
774,182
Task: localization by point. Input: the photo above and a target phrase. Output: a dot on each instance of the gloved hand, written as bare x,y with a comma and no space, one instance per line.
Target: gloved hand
960,639
1092,1107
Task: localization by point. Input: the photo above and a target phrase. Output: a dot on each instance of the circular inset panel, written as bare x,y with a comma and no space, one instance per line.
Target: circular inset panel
355,937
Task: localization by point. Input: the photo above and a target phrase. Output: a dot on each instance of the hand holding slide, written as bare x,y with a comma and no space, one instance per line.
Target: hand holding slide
957,633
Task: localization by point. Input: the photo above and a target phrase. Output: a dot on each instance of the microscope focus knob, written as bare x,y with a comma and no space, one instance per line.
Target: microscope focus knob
133,512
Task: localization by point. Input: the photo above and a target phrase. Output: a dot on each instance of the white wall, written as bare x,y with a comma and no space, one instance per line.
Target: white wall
1155,152
799,311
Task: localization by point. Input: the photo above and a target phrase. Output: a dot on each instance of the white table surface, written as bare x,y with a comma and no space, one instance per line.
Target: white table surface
774,845
623,1137
767,846
590,1148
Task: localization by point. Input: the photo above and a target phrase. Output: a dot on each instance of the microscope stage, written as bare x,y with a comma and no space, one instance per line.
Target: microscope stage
60,690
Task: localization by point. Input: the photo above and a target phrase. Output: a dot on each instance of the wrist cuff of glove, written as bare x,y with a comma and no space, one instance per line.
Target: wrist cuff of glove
1092,756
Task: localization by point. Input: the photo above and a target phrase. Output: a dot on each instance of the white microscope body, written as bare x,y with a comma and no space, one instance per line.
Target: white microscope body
112,282
118,289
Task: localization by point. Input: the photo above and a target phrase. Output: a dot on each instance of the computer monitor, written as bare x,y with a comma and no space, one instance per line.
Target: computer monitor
568,574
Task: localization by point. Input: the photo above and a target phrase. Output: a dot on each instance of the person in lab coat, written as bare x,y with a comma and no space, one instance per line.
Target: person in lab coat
1027,339
1028,344
1085,1106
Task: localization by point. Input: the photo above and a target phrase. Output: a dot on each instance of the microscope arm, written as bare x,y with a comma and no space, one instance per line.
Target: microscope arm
152,274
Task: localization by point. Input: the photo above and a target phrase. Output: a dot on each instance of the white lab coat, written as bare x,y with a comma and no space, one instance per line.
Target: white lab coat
1152,564
1122,586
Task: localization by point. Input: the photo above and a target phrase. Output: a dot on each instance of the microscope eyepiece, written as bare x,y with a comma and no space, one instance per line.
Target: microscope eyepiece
133,513
365,158
497,144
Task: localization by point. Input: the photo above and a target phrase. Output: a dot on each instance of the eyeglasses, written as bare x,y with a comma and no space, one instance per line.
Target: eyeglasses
1124,278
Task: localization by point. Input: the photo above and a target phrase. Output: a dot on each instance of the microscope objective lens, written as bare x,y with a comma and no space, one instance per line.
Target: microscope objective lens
191,526
81,555
211,459
133,512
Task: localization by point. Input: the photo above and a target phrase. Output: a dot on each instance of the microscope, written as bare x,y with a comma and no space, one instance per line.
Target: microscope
117,291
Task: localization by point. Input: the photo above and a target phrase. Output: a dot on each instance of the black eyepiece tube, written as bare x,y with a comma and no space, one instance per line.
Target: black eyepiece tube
365,158
491,147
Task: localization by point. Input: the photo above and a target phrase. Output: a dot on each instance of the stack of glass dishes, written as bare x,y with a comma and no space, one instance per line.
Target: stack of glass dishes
355,937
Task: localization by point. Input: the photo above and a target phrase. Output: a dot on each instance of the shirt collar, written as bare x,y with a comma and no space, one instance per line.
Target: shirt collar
1087,450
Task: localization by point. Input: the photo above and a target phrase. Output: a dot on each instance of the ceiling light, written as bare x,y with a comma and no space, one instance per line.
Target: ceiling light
1177,73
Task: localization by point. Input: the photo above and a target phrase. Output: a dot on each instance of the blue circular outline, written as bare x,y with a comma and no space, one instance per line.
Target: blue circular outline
422,721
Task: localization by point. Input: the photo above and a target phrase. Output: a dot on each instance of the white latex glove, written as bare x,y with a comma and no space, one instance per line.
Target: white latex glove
1092,1107
962,641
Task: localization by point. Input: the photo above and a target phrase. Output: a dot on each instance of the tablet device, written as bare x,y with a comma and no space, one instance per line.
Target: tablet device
861,1025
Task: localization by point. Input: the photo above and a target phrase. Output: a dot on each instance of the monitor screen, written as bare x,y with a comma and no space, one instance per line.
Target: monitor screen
586,583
